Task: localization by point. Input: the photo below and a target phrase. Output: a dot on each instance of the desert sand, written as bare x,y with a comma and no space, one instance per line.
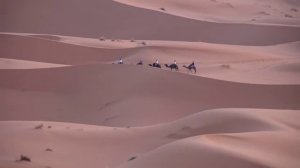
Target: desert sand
267,12
106,18
65,103
6,63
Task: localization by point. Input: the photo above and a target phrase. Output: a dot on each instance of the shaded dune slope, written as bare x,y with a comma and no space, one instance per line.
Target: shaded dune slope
127,95
36,49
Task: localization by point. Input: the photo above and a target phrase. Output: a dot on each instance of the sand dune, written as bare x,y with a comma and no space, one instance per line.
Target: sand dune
65,103
245,64
81,19
268,12
153,146
139,91
37,49
138,96
229,150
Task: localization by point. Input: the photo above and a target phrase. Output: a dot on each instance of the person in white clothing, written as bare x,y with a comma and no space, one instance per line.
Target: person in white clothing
120,61
140,63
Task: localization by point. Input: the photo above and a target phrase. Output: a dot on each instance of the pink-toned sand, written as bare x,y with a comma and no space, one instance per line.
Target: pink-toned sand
119,21
66,104
267,12
6,63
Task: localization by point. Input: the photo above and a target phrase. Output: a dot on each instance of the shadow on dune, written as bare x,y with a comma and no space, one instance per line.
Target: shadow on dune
147,95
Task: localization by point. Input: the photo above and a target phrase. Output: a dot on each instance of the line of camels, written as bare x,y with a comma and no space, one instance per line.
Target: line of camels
174,66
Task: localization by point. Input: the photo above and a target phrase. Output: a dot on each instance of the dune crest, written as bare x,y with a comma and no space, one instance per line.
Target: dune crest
6,63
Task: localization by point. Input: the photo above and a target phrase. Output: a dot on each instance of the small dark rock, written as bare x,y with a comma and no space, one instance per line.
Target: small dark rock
40,126
132,158
49,150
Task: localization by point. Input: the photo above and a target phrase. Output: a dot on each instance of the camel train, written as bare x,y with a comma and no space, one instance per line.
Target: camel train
191,67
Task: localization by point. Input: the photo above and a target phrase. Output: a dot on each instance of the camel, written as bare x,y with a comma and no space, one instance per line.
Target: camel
190,68
155,65
172,66
140,63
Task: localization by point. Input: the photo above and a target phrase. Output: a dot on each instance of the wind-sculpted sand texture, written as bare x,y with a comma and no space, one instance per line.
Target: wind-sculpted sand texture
65,102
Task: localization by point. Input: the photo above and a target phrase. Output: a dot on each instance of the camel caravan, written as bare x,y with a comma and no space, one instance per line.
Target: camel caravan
173,66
